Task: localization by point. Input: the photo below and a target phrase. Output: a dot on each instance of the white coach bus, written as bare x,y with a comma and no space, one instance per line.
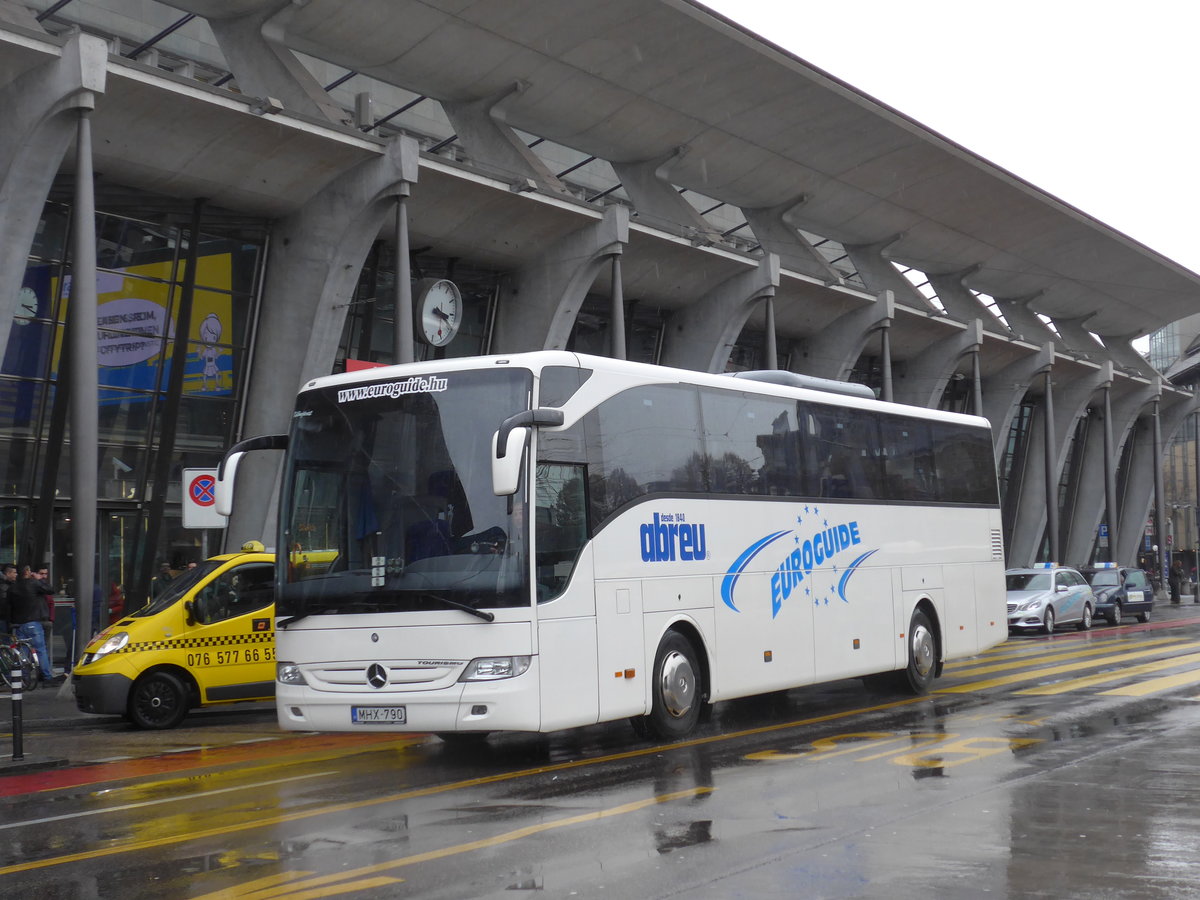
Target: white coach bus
547,540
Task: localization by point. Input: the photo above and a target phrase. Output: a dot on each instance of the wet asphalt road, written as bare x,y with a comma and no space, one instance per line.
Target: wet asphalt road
1049,767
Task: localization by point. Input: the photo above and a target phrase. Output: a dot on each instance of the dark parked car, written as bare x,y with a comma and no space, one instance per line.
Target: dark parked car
1121,591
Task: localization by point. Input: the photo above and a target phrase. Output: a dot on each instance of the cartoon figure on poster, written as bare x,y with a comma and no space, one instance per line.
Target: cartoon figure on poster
210,333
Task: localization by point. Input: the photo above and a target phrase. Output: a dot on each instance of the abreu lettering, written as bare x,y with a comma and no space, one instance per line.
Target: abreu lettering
668,541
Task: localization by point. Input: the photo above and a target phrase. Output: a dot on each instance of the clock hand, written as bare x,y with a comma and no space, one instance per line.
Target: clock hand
437,311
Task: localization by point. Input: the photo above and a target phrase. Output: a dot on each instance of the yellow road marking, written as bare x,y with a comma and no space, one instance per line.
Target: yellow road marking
136,846
1063,687
1057,656
356,879
1032,674
1154,685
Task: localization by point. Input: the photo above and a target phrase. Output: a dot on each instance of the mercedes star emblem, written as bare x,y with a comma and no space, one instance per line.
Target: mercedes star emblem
376,675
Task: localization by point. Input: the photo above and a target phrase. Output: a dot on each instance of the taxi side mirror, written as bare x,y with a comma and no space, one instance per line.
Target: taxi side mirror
189,612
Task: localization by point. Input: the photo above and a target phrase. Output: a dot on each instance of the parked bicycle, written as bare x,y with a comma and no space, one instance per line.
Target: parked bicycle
18,654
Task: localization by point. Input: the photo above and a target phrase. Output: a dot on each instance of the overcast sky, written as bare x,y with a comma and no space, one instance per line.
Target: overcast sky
1093,102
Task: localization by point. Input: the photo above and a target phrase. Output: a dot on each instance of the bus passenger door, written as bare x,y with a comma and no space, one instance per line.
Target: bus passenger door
620,649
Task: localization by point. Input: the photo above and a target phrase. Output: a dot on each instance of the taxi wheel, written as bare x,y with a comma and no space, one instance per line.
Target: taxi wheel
158,701
1048,622
1144,617
1114,617
1086,622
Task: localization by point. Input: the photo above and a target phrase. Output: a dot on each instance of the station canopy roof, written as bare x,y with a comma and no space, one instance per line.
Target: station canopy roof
632,80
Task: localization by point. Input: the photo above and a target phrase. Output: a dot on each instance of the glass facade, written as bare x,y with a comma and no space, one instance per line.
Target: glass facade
141,270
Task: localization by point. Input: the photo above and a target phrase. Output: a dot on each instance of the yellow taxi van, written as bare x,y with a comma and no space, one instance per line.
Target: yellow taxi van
208,638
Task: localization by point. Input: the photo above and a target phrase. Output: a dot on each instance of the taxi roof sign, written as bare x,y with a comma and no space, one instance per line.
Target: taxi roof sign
1048,565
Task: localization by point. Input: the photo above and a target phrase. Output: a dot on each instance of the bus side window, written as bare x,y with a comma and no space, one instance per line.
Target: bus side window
560,522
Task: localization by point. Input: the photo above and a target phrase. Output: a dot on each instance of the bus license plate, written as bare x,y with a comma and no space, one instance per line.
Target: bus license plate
378,715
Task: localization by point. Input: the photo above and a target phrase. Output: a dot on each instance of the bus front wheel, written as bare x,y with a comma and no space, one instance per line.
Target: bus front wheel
922,654
676,692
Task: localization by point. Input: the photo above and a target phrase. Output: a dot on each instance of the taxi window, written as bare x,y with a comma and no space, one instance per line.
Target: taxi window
243,589
1135,579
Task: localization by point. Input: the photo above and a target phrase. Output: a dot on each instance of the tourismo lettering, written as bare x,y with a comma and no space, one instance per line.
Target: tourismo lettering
667,541
393,389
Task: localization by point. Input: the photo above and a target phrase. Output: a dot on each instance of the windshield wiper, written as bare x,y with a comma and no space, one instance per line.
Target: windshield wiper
284,623
481,613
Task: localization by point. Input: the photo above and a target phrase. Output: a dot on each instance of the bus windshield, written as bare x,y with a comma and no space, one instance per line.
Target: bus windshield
388,502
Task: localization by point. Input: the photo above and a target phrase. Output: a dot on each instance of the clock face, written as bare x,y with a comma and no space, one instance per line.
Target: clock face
439,313
27,304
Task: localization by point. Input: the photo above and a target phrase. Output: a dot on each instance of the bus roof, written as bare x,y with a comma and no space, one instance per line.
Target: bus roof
629,374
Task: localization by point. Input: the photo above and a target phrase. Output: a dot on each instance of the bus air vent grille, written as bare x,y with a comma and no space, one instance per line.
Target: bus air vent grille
997,545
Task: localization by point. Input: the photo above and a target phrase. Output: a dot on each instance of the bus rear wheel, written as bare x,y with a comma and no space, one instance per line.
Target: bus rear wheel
918,675
676,692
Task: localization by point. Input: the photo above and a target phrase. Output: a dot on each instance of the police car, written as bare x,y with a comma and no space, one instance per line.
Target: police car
208,638
1121,591
1042,597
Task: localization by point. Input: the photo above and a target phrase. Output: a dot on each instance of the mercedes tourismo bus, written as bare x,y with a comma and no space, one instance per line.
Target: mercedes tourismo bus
546,540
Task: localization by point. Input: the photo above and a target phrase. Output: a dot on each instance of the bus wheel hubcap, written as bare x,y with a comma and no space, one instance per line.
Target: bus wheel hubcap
678,684
922,650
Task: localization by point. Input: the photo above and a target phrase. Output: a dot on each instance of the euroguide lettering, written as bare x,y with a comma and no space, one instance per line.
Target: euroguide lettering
669,537
393,389
813,558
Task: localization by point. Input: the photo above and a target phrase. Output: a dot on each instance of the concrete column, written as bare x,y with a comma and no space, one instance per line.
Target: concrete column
658,202
1160,534
402,311
546,294
84,418
1094,467
494,147
616,319
879,274
976,381
927,373
775,229
252,37
885,361
1050,463
316,256
1111,517
770,341
41,115
1129,401
1077,339
1120,349
701,336
833,352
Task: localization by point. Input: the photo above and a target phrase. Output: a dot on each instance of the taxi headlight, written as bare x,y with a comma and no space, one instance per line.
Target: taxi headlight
493,668
1032,604
289,673
113,644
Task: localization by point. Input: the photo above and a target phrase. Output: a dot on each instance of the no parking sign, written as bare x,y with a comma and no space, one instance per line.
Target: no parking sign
200,498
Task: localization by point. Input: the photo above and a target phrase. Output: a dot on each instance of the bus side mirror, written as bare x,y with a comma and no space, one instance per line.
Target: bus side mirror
508,445
227,471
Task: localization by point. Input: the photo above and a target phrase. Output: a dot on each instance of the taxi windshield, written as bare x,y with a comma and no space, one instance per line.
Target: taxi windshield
1106,578
177,587
1028,581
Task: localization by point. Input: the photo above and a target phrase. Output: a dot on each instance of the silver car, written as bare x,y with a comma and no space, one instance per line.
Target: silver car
1046,596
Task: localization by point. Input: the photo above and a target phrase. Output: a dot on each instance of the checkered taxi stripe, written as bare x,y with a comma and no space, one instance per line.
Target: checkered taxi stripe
193,643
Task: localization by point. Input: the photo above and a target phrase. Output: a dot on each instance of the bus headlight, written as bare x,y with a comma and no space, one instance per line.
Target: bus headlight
113,644
493,668
289,673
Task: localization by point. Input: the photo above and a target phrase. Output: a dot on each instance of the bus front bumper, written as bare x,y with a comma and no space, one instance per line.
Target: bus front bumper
507,705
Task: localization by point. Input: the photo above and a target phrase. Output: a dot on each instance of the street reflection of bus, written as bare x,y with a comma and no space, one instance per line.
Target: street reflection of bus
547,540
